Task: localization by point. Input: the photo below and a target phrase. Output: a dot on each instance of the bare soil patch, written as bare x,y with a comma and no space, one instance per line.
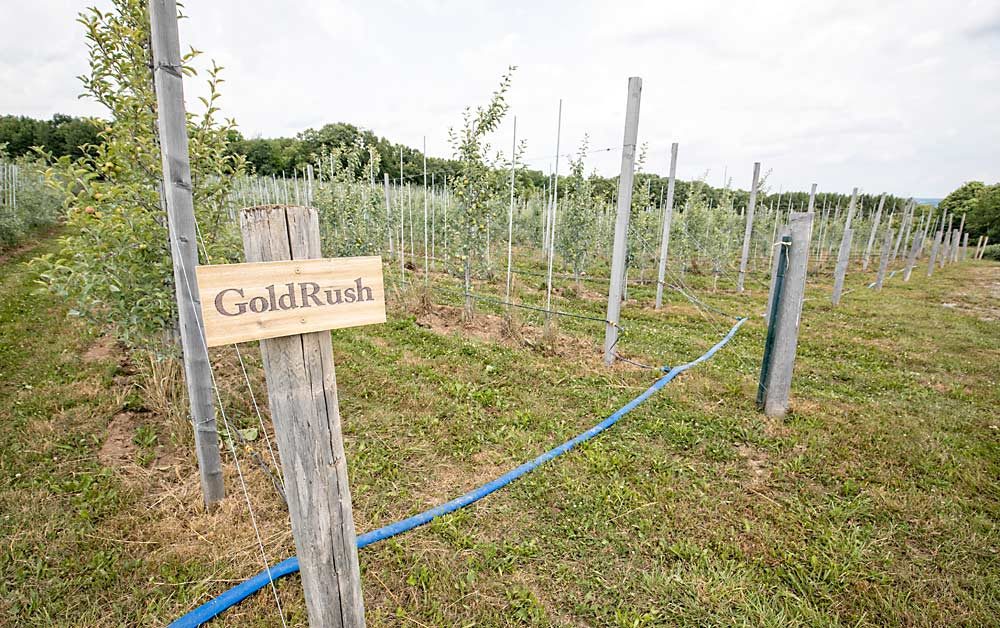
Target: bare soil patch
757,463
981,295
446,319
118,449
103,348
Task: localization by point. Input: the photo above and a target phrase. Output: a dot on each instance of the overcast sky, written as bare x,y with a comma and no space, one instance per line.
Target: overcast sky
902,97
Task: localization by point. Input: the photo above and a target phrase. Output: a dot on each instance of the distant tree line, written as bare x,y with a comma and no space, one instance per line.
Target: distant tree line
62,135
981,205
65,135
277,156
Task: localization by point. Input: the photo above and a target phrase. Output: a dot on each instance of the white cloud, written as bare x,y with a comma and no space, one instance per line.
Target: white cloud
895,96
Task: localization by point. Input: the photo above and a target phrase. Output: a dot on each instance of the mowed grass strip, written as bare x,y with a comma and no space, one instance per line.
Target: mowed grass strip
875,502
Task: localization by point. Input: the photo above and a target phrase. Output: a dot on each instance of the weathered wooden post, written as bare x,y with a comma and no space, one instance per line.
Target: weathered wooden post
934,251
289,304
668,214
176,196
621,221
986,241
884,260
871,236
748,231
776,377
844,254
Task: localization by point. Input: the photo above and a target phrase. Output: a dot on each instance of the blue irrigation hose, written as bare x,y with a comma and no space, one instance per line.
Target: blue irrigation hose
237,594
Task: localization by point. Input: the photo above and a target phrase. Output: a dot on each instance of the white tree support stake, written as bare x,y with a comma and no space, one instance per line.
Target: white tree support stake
844,254
552,224
510,213
904,229
621,220
751,204
871,236
668,213
302,394
883,264
911,259
427,265
934,251
958,240
788,314
176,196
944,255
388,217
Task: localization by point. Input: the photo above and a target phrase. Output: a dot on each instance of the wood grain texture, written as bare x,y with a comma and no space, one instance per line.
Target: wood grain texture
302,396
316,295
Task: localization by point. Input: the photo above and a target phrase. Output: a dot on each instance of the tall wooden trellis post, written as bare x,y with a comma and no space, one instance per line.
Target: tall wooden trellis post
176,196
748,232
621,222
668,213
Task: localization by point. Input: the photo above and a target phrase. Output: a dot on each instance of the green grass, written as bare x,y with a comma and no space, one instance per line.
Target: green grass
874,502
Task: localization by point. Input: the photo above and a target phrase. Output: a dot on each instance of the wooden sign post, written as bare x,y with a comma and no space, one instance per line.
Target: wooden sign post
290,301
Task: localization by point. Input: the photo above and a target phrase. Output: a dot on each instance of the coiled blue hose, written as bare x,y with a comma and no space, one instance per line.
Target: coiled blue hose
237,594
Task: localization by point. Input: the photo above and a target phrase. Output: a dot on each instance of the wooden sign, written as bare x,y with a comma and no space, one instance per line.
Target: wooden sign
242,302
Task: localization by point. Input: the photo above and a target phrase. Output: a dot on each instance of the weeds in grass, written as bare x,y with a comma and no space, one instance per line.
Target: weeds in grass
872,503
